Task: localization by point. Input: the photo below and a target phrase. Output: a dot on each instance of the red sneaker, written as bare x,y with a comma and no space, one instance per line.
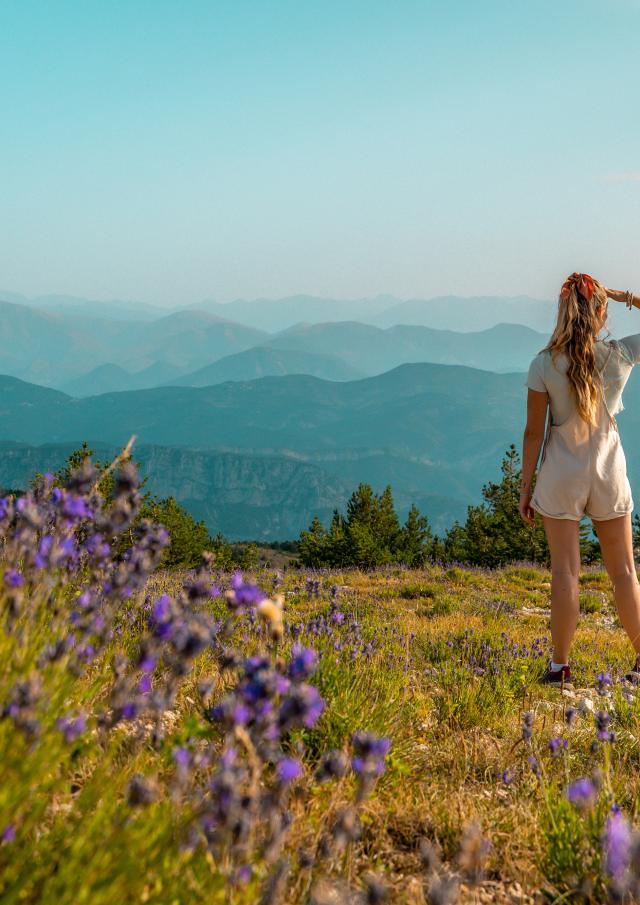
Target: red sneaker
560,678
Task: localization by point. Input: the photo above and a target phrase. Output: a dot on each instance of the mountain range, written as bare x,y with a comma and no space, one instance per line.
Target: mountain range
436,433
84,356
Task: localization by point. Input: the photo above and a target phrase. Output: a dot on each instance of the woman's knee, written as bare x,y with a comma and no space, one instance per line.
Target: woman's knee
625,575
568,573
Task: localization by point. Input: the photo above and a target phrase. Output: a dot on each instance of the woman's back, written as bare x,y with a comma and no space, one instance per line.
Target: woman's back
614,359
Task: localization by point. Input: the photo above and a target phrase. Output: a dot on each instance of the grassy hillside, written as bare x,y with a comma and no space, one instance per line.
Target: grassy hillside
443,663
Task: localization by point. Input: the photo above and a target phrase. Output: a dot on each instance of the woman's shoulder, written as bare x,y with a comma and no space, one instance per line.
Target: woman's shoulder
542,355
625,349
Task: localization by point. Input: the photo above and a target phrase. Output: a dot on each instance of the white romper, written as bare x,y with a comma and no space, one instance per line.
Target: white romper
583,470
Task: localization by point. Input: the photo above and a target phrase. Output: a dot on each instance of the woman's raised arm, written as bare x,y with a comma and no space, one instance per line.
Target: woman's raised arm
620,295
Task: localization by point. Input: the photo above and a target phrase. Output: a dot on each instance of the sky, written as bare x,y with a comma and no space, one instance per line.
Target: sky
174,151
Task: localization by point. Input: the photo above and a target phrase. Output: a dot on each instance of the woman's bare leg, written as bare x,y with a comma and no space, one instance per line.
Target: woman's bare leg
616,542
564,546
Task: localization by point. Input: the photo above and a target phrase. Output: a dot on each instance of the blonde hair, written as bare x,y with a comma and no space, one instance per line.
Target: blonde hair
577,326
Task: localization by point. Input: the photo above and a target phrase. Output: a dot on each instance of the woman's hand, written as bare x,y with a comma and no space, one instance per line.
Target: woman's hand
525,509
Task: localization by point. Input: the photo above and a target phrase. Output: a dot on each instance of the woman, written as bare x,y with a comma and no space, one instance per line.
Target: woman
580,378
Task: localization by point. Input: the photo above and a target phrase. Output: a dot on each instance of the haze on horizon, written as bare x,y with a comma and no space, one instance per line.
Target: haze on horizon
240,149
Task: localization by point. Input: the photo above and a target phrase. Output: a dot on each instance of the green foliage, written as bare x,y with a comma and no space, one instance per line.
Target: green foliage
223,556
247,557
189,538
571,851
495,532
369,535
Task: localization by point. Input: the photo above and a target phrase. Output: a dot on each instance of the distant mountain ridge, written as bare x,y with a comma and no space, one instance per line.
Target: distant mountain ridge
84,356
436,433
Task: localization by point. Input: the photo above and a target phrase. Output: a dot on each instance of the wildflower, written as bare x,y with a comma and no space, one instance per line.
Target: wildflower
271,612
147,663
582,793
71,726
602,726
243,874
370,753
442,890
303,706
570,715
8,834
557,746
287,770
527,725
303,662
243,594
333,765
535,766
182,758
616,844
604,679
13,578
506,777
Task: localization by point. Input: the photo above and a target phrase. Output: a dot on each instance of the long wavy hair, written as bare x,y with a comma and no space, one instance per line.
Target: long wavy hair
575,334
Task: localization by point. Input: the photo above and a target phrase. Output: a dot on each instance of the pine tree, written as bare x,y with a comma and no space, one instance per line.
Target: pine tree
337,543
416,539
495,532
386,524
314,544
189,538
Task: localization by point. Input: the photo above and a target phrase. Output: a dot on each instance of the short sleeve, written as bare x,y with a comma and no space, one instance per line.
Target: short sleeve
534,377
631,347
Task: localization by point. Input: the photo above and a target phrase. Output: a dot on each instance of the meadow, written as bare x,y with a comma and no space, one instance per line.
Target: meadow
304,736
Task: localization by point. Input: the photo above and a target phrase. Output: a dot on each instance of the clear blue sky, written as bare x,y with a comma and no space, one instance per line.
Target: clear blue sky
169,152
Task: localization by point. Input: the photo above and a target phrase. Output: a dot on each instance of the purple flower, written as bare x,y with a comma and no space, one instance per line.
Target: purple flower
582,793
535,766
243,594
616,844
604,679
148,663
288,769
161,620
71,726
370,752
75,507
13,578
527,725
241,715
8,834
129,710
303,706
243,874
303,662
144,685
181,757
506,777
558,745
602,726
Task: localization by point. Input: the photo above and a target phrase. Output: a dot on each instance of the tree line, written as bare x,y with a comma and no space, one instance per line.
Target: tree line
370,533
